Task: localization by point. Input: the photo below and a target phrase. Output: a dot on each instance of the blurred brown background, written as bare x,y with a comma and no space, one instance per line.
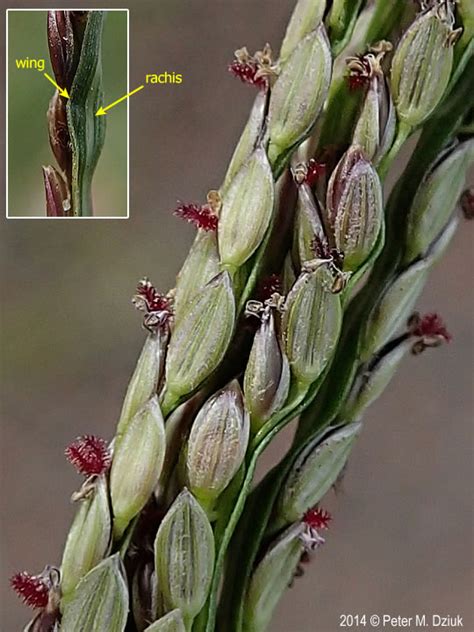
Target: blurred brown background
402,535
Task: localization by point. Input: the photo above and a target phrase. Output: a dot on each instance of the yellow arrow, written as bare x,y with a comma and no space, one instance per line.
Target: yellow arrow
101,111
62,91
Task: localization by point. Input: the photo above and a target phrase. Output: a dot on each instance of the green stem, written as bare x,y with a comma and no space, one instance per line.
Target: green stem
209,506
125,543
386,17
169,403
341,22
403,132
87,131
208,625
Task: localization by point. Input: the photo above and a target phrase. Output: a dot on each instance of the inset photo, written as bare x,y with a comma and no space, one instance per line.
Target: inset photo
67,140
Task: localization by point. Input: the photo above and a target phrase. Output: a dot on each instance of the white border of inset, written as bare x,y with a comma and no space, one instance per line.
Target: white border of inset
111,217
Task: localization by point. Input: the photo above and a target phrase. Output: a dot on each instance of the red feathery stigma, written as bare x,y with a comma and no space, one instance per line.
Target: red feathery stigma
322,250
90,455
315,170
157,308
32,589
247,71
431,326
268,286
360,71
148,299
356,81
430,331
201,216
314,520
317,518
